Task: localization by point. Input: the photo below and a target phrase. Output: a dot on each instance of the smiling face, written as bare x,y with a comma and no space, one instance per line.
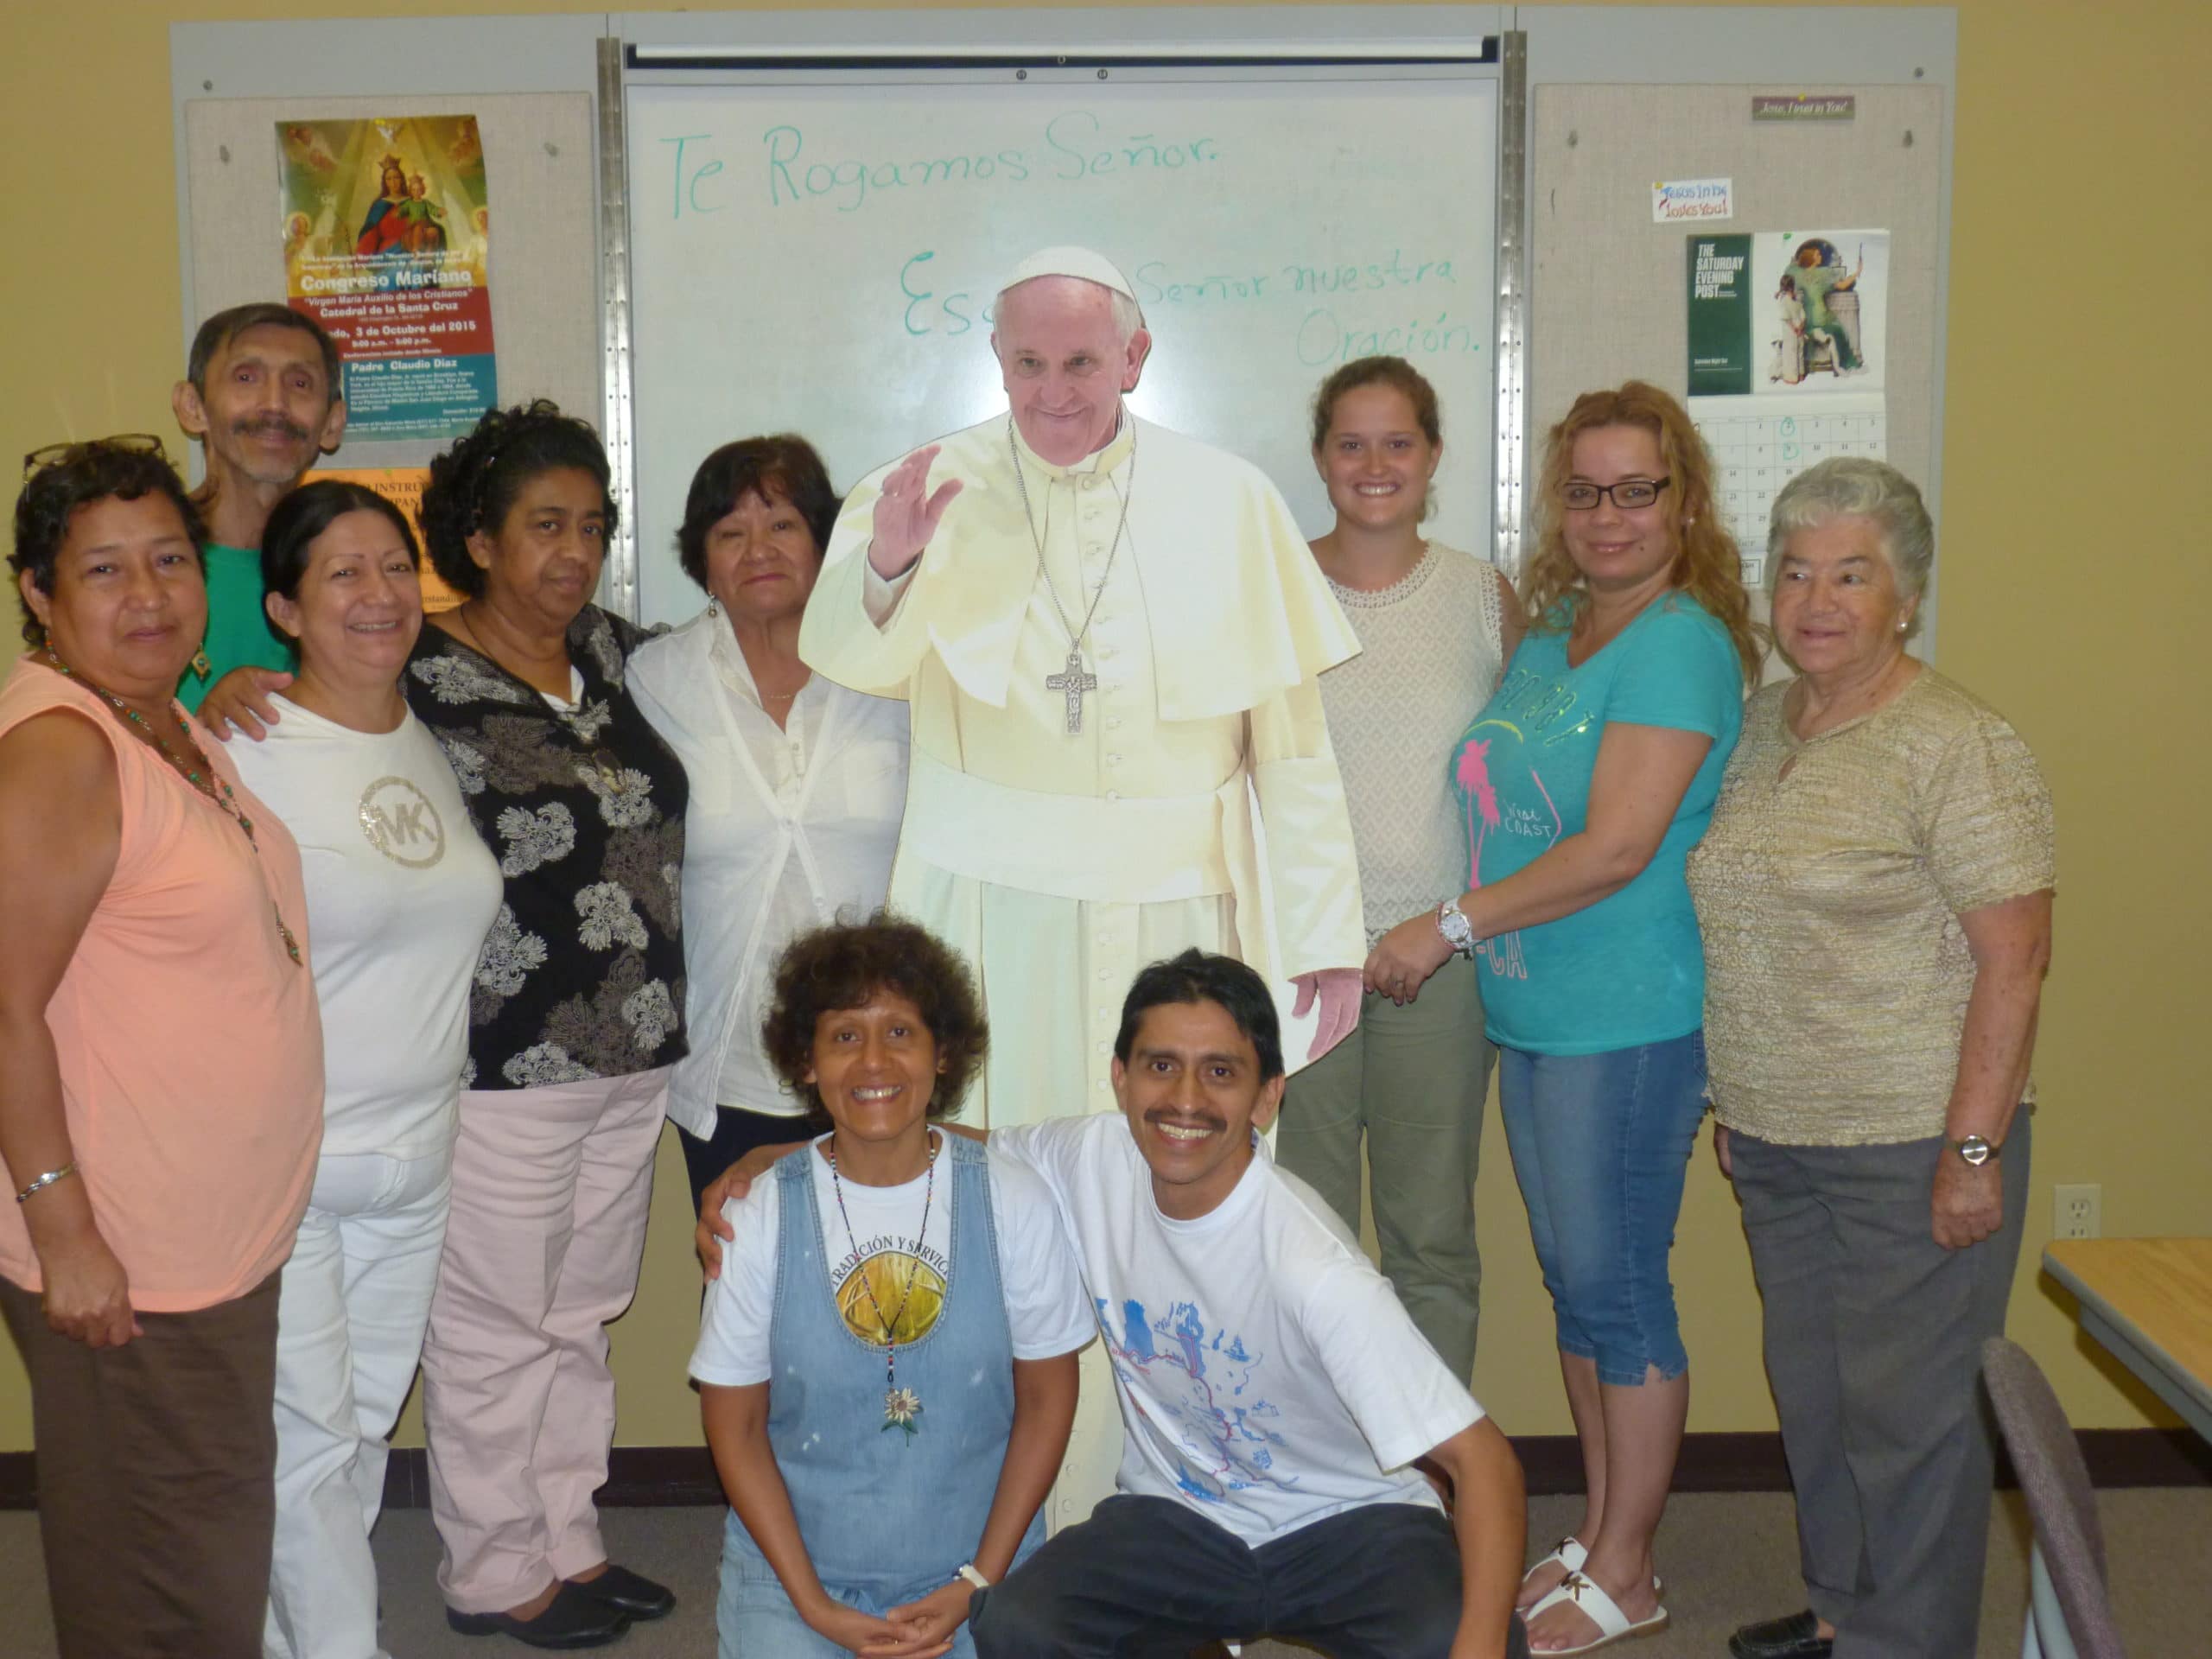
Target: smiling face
359,604
1193,1093
542,564
129,602
1837,612
875,1068
1064,365
266,409
1620,550
761,559
1376,460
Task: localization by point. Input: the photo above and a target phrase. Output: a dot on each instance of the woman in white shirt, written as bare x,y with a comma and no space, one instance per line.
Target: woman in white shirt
797,785
400,892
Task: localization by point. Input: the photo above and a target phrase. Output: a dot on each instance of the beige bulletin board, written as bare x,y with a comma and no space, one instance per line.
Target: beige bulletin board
542,174
1606,284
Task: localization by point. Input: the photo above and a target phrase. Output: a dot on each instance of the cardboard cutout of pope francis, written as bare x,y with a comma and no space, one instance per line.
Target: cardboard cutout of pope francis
1109,637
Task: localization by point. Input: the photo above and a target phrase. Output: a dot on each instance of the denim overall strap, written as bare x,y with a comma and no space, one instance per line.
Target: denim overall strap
882,1511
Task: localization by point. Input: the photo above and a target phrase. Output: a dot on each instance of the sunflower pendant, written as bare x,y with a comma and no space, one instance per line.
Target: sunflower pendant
900,1407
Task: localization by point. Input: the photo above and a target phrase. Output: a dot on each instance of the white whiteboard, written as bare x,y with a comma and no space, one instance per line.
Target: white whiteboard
822,259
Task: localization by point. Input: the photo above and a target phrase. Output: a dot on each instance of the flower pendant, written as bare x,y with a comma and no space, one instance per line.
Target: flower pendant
900,1407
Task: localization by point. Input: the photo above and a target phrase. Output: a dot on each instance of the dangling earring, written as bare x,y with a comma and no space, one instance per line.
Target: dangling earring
200,666
713,606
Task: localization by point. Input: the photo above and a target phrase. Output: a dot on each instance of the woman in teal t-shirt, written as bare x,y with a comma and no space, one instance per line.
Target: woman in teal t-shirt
1586,780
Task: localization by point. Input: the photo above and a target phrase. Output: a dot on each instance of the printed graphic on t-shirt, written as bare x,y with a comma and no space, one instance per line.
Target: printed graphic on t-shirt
1540,709
887,1279
1201,1381
401,823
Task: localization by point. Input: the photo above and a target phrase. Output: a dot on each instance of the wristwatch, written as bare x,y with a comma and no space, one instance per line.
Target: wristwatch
1458,932
1975,1149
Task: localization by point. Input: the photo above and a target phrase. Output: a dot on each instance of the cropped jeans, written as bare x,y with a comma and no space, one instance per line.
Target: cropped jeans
1601,1144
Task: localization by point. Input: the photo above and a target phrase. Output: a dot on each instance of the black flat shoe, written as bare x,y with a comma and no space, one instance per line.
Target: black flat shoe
627,1593
1797,1637
571,1620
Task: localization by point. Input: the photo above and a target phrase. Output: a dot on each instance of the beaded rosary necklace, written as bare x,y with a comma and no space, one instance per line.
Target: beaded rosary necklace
202,776
900,1405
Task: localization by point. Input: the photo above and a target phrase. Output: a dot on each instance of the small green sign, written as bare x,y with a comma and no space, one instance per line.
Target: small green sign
1719,315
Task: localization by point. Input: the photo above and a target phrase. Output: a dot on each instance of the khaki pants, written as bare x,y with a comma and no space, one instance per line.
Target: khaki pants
155,1468
1410,1083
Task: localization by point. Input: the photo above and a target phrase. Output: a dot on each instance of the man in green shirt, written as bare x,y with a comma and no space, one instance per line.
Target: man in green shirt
262,394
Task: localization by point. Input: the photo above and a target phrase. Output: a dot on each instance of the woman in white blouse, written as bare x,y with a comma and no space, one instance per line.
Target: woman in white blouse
797,785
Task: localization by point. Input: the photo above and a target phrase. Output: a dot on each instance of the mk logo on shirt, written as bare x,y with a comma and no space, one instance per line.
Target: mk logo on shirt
401,823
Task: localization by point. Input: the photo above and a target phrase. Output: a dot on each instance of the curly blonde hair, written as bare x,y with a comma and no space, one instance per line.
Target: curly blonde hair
1706,561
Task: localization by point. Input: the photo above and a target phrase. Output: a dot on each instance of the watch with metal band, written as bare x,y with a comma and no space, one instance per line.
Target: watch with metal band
1458,932
1975,1149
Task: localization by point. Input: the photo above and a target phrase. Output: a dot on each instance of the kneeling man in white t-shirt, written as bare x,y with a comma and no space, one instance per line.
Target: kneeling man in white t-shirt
1274,1395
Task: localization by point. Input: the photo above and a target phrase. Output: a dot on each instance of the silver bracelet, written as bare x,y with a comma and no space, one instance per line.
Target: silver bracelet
48,1180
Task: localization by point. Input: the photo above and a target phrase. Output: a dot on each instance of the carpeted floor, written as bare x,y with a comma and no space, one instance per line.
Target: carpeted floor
1727,1558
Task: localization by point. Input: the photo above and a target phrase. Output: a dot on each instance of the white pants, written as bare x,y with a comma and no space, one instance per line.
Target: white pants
350,1316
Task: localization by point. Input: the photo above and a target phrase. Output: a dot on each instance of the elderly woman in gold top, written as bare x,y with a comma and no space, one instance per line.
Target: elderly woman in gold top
1875,895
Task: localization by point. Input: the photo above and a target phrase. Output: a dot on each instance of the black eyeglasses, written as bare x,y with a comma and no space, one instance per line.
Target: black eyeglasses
56,454
1628,495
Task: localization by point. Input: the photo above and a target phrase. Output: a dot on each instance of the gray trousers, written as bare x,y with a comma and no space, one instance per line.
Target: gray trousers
1410,1082
1873,1347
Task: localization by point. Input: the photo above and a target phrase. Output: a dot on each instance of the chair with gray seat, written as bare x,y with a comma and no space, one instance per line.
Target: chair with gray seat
2069,1609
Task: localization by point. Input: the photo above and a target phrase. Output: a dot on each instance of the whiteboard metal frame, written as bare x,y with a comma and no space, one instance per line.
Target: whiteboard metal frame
1508,469
618,585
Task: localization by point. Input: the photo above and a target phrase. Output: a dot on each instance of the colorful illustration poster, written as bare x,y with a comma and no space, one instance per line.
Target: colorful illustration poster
402,486
387,245
1788,342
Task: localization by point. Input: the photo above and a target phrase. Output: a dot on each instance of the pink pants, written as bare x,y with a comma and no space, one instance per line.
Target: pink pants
551,1190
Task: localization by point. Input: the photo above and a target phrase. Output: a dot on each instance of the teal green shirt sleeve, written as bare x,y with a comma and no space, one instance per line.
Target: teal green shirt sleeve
1679,670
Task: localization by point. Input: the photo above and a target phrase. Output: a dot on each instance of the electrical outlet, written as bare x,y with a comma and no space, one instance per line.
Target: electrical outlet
2078,1211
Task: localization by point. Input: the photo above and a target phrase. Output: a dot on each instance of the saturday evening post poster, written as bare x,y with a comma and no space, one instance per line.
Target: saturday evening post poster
387,245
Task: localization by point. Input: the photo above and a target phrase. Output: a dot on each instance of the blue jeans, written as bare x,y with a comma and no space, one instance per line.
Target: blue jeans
1600,1145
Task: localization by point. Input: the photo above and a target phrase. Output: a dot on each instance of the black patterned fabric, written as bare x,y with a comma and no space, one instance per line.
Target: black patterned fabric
583,973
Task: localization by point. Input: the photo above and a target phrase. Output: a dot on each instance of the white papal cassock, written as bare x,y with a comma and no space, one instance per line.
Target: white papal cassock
1060,863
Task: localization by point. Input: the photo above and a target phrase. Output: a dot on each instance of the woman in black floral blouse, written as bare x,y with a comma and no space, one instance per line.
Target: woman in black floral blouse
576,1019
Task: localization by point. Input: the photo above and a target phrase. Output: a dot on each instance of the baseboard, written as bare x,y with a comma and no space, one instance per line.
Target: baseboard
648,1476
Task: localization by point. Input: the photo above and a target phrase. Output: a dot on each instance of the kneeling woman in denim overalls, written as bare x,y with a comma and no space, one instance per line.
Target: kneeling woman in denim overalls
887,1361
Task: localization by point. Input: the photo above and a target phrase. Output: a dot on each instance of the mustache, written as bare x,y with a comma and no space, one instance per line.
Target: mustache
255,425
1187,1120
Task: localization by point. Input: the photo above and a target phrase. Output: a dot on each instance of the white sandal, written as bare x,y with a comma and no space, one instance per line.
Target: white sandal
1613,1626
1572,1553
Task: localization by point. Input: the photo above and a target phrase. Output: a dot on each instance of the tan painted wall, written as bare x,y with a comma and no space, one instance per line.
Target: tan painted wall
2075,557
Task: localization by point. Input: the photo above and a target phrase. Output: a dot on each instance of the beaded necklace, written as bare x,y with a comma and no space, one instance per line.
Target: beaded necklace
202,776
900,1405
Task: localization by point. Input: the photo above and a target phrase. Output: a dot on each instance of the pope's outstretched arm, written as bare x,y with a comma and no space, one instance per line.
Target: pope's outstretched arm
881,532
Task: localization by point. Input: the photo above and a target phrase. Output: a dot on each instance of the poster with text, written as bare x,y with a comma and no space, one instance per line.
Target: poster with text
387,245
1789,311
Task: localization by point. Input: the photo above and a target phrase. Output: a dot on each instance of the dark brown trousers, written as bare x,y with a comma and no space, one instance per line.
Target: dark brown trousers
155,1468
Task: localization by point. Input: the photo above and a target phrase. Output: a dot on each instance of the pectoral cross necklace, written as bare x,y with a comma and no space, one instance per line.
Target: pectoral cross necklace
1073,681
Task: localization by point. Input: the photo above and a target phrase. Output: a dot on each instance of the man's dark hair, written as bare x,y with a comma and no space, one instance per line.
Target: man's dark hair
83,475
225,327
288,540
474,484
1198,976
785,465
840,967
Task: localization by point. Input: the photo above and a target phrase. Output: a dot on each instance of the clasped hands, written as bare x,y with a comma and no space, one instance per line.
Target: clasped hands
918,1630
1403,958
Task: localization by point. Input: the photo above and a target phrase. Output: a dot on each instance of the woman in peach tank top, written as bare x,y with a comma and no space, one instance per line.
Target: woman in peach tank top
160,1075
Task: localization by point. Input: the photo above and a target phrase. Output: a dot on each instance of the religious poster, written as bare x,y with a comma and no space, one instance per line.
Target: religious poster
402,486
1788,347
387,245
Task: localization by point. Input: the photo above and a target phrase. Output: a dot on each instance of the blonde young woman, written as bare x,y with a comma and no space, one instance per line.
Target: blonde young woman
1584,782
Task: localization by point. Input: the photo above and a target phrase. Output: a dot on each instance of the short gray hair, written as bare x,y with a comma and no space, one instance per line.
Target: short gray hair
1128,317
1858,487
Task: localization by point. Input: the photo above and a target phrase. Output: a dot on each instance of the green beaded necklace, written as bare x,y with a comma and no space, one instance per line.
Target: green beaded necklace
202,776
